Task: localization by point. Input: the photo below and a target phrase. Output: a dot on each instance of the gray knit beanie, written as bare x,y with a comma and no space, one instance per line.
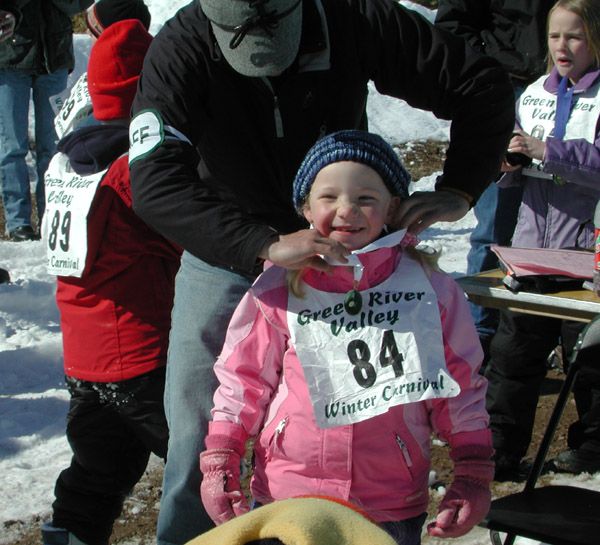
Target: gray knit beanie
351,145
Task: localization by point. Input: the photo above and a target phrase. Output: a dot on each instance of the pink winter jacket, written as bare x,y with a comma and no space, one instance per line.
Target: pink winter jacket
381,464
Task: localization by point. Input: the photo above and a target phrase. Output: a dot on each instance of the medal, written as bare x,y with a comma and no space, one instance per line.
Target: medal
353,301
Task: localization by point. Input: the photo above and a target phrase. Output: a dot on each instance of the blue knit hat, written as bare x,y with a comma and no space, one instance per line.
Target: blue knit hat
351,145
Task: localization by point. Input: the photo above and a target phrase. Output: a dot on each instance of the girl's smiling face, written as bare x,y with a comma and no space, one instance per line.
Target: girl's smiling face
568,44
349,202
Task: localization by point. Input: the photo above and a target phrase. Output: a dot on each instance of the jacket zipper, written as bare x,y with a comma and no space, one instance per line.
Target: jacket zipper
278,120
276,110
280,427
276,437
404,450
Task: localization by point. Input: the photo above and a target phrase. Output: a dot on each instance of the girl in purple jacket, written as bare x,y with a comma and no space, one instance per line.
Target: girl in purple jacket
341,376
558,136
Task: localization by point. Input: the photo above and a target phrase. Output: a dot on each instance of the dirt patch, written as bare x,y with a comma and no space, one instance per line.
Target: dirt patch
423,157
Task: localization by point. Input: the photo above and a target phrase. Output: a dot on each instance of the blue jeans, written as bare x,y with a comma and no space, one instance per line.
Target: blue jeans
16,89
496,213
205,298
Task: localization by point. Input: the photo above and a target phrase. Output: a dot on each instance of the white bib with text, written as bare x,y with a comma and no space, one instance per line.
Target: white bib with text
64,226
74,109
390,353
537,113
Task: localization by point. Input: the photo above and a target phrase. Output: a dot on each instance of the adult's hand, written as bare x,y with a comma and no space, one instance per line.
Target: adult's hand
303,249
424,208
7,25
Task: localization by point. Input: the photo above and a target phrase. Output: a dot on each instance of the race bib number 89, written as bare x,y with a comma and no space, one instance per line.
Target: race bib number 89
64,226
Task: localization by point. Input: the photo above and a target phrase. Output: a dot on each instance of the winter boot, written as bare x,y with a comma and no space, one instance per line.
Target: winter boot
509,468
58,536
578,461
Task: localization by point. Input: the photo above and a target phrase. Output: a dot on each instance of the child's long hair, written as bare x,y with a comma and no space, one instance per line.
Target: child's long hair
589,11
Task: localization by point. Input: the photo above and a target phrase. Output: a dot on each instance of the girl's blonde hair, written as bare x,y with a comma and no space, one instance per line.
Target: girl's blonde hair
429,261
589,11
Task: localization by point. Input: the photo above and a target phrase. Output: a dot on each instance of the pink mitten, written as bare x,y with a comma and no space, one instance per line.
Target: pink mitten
464,505
220,490
468,499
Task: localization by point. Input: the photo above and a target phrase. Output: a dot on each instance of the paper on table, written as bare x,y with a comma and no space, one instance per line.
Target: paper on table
542,261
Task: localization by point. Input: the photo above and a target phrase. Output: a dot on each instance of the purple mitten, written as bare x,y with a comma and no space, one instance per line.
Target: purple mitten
220,490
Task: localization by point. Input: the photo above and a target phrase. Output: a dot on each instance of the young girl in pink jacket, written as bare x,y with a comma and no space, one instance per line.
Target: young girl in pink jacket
341,377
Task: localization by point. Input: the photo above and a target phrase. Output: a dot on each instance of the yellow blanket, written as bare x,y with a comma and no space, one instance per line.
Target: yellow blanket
298,521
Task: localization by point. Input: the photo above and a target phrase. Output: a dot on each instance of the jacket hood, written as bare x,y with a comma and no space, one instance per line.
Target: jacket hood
92,149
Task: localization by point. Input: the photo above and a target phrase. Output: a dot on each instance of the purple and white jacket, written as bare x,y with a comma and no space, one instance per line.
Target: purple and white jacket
561,192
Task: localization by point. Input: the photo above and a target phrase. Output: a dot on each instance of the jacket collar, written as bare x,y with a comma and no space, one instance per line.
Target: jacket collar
585,82
315,52
377,262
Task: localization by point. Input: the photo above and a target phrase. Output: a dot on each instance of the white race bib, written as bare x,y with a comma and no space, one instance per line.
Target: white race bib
75,109
390,353
64,225
537,113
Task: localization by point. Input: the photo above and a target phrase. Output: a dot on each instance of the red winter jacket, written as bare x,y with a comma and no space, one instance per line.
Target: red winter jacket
115,319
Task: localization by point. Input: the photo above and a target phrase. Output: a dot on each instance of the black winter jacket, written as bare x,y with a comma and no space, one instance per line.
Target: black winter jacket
43,38
511,31
229,192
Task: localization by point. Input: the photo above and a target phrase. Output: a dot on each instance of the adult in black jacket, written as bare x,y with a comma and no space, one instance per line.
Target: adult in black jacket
226,110
34,60
514,33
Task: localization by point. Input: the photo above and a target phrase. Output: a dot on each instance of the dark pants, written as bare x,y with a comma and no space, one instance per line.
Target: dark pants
515,373
112,429
584,434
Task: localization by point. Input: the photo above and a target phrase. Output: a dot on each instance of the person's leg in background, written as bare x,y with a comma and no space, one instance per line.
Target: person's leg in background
205,298
108,460
44,87
583,439
141,407
515,372
496,214
15,92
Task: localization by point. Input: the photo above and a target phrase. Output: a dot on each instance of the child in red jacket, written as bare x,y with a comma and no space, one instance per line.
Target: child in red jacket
115,293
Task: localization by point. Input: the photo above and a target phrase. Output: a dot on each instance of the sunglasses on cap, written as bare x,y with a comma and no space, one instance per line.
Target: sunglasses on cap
264,19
